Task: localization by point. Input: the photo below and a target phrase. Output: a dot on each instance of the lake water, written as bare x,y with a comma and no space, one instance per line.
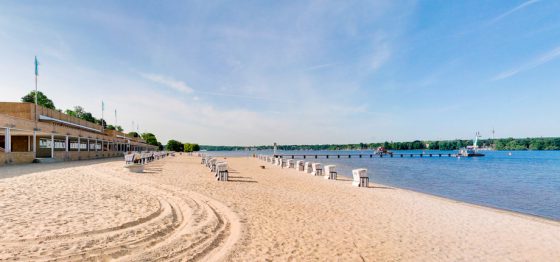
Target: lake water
525,181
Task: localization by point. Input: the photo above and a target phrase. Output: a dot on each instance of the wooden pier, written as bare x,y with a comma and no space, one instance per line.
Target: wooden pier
389,155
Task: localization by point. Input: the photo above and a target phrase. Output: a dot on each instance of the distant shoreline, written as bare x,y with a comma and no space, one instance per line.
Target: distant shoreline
369,149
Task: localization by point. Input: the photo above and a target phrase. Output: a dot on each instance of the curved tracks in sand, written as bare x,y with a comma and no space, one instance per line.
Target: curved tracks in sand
180,226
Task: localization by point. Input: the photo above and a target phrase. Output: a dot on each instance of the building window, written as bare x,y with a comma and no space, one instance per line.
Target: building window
45,143
59,144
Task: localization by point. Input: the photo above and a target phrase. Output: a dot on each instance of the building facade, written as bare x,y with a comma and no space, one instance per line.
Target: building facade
27,134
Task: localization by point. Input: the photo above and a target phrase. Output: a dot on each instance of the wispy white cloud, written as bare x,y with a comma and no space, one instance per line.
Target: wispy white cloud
183,87
513,10
381,52
242,96
169,82
320,66
542,59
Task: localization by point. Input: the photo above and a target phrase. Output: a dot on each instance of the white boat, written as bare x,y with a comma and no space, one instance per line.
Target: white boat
471,151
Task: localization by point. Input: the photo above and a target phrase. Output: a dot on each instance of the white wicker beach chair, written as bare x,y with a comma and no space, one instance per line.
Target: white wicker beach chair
291,163
129,159
131,163
284,163
307,167
317,169
142,158
222,171
299,165
213,162
360,177
330,172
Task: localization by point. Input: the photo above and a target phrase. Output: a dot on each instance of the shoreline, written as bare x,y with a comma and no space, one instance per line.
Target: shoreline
487,207
497,209
451,200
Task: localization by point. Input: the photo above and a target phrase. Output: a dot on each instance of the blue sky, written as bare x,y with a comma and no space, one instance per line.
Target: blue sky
299,72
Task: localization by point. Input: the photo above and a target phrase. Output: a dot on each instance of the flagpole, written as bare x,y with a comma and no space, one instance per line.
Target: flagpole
36,94
102,110
36,116
36,101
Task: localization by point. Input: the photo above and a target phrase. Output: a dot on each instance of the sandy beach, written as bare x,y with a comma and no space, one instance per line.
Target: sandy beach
176,210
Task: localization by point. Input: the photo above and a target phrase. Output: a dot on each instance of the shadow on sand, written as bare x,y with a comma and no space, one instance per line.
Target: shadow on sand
241,179
24,169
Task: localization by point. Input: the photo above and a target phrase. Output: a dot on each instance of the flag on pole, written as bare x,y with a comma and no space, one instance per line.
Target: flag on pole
36,66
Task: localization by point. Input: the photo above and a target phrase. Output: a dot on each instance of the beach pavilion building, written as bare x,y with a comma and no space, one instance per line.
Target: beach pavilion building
48,135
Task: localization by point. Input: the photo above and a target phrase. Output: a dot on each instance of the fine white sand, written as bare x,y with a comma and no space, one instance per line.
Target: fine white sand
96,210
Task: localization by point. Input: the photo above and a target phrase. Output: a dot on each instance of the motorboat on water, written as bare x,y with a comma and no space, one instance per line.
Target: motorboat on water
471,151
382,151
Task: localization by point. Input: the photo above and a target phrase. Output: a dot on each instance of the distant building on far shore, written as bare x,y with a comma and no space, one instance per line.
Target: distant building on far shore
57,136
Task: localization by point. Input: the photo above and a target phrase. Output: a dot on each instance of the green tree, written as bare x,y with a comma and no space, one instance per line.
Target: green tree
537,144
70,112
88,117
150,139
174,145
42,99
112,127
133,134
188,147
80,113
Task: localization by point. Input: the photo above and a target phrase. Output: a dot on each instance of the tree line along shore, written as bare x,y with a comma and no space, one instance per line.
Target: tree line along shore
541,143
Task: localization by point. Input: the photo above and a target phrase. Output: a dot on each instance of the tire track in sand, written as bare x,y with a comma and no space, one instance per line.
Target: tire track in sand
186,226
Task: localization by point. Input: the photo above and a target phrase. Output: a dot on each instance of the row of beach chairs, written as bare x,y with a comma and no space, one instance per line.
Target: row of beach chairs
218,168
135,161
359,176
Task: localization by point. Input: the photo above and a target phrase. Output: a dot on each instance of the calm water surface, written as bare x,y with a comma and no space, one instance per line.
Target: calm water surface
525,181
